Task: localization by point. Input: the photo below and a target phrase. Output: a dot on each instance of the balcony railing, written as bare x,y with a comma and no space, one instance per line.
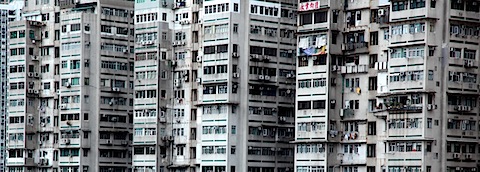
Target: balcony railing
399,108
354,45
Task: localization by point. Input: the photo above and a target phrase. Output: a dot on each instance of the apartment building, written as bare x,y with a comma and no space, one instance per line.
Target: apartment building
214,85
70,82
8,12
387,86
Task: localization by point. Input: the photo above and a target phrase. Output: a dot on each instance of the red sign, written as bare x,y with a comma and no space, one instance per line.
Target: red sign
306,6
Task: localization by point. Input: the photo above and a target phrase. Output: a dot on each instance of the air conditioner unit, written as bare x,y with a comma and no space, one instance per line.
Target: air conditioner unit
334,68
304,58
125,50
164,3
199,59
113,119
36,92
67,84
459,108
30,74
267,77
63,106
109,142
381,12
236,75
33,41
429,107
456,156
198,80
66,141
290,75
36,74
261,77
31,91
176,83
314,58
235,55
115,89
34,58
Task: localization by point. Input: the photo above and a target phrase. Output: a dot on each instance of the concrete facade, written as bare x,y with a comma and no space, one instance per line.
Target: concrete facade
387,86
70,83
220,96
8,12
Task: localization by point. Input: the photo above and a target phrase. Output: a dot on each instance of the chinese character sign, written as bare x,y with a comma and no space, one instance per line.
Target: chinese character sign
306,6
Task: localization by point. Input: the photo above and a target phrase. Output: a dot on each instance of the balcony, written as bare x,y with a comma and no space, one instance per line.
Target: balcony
180,140
462,133
20,162
463,86
354,69
467,63
69,142
411,14
311,134
461,14
72,160
16,144
311,112
400,108
408,155
136,140
353,137
312,91
214,98
214,57
398,40
139,160
460,108
402,132
310,156
355,47
215,78
404,85
354,158
403,61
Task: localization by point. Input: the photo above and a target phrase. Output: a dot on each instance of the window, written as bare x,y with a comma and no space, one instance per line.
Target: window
371,150
373,38
235,28
75,27
305,19
319,104
320,17
429,122
372,83
302,105
372,128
